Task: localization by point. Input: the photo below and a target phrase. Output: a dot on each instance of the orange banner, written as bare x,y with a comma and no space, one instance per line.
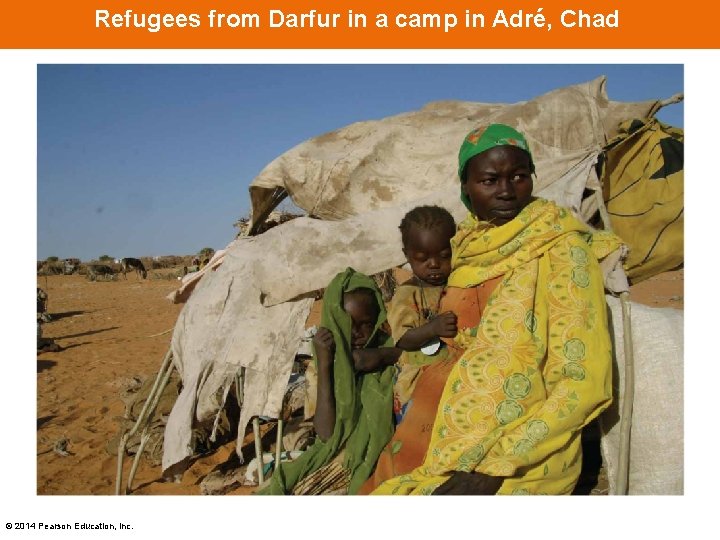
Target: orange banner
345,24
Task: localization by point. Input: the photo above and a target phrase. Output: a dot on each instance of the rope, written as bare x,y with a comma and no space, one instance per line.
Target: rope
161,333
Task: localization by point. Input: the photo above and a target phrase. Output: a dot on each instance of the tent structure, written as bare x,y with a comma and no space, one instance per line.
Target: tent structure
244,320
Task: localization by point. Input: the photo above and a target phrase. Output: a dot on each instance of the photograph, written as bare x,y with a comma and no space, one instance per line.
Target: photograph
356,279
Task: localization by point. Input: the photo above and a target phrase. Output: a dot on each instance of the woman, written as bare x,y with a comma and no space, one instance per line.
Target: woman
531,364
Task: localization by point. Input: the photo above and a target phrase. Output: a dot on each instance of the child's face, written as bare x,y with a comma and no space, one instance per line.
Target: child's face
364,313
499,183
429,253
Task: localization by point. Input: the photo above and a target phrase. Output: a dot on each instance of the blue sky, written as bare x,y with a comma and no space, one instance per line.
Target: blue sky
143,160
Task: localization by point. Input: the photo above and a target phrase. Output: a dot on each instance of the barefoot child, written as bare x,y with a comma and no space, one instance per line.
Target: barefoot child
415,319
353,417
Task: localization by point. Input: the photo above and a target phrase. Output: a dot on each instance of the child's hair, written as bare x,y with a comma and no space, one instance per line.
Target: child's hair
369,294
426,217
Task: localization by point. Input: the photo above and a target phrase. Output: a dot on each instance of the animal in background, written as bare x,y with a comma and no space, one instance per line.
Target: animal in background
129,264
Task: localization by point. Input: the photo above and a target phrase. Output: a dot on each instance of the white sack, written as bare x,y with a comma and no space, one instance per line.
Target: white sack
656,443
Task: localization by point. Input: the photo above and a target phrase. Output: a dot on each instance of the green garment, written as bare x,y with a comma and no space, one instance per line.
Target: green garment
484,138
363,402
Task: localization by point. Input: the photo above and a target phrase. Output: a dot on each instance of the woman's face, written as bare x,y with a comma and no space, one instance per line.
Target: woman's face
499,183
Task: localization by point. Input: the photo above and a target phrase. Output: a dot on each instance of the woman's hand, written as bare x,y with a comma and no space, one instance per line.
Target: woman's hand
445,325
470,483
324,347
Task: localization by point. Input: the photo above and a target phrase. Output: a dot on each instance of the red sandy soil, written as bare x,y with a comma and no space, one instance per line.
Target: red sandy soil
113,331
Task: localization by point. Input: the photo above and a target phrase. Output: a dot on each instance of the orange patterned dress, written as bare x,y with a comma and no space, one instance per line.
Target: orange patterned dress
406,450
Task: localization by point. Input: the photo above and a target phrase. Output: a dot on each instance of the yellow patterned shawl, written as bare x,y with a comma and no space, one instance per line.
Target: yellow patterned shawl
538,367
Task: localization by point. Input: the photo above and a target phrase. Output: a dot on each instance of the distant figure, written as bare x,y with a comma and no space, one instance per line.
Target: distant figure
42,314
129,264
43,344
206,260
195,262
69,266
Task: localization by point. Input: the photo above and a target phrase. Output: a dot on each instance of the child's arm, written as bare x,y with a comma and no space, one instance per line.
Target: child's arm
444,325
366,360
324,420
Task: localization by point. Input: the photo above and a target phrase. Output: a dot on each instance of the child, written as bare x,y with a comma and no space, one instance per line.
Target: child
353,417
415,319
362,306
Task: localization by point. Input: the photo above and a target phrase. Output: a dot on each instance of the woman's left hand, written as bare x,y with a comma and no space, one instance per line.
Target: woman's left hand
470,483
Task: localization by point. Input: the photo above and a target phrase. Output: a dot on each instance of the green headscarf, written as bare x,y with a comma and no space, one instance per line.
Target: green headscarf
485,138
363,402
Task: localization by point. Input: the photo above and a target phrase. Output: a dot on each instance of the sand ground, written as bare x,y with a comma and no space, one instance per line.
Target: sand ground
111,332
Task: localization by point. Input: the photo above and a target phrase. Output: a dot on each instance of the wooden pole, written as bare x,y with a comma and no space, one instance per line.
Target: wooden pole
622,478
278,444
258,449
162,377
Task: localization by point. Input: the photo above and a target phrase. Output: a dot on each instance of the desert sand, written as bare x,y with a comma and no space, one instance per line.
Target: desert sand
111,332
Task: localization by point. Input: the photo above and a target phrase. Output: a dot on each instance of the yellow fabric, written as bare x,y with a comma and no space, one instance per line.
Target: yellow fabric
411,307
643,187
539,368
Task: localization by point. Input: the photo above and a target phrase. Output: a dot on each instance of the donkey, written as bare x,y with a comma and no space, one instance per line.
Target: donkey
129,264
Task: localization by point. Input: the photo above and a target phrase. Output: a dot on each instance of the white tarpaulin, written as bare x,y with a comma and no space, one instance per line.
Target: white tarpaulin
189,281
223,327
379,163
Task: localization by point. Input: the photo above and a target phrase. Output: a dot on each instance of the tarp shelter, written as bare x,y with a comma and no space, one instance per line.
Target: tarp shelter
359,181
643,174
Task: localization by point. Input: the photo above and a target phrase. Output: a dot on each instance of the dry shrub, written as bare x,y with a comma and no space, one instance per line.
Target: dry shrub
169,261
51,269
166,274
